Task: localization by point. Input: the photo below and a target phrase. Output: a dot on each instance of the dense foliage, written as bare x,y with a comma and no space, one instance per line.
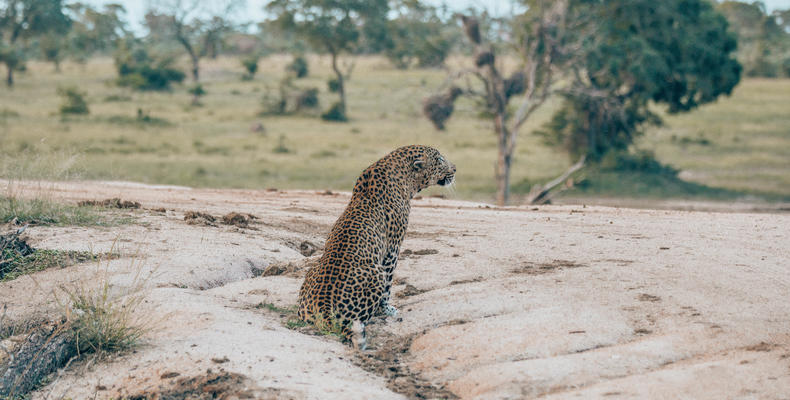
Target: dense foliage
676,53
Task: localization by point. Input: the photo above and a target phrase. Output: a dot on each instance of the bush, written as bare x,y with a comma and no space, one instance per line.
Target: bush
139,69
298,67
639,161
73,101
335,113
281,148
196,91
333,85
250,63
290,99
307,98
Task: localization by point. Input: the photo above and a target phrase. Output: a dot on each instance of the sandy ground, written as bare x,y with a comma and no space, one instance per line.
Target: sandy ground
522,302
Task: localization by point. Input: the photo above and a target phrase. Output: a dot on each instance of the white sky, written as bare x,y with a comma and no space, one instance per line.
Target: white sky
253,9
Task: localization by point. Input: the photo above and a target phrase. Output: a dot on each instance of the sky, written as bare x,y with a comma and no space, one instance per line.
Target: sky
253,9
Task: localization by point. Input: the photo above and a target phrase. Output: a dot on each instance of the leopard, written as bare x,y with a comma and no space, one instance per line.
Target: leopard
352,281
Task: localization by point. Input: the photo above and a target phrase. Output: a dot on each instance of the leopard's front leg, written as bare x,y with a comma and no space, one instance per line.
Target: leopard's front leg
388,267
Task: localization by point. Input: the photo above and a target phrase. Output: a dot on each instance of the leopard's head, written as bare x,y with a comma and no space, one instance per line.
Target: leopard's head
431,168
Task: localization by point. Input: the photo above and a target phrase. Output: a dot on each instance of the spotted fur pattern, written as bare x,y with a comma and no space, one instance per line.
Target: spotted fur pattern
352,280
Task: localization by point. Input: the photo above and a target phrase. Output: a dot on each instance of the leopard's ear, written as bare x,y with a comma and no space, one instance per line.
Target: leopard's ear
418,164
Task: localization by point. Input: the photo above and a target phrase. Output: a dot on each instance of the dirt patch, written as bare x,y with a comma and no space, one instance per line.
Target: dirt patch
408,291
291,268
199,218
307,248
762,346
531,268
464,281
406,253
212,385
238,219
387,356
115,202
648,297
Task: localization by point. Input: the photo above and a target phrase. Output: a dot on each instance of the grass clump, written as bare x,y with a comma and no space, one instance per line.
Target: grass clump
41,211
73,101
104,318
329,326
335,113
102,323
281,148
326,326
275,308
14,264
141,120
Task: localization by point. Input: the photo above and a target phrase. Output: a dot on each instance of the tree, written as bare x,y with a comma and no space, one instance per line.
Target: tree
94,31
546,42
763,39
196,25
51,45
25,19
674,53
416,33
331,26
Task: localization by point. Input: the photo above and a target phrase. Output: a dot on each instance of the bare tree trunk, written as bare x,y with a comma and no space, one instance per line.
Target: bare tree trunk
341,89
39,354
193,55
540,194
195,69
9,80
504,160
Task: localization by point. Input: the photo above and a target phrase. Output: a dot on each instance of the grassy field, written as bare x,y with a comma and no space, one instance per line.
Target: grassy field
741,143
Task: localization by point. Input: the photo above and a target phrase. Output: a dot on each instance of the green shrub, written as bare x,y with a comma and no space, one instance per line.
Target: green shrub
250,63
73,101
298,67
333,85
639,161
289,99
139,69
281,148
307,98
335,113
197,92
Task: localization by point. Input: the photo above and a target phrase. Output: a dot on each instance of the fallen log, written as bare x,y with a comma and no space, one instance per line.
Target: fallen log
27,359
539,194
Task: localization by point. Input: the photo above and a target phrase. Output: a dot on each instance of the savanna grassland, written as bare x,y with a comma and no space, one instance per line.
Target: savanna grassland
740,144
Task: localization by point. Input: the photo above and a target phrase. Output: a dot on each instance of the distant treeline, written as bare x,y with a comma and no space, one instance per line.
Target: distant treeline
408,32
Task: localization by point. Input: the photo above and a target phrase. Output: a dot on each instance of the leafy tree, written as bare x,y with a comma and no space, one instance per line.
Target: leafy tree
544,38
51,45
141,69
331,26
21,20
675,53
197,26
417,33
763,39
94,31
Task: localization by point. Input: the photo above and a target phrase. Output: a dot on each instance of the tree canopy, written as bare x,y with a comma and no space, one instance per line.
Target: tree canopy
676,53
25,19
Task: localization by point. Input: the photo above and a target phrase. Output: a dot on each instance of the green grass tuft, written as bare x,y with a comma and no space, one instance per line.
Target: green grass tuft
104,324
277,309
14,265
104,318
41,211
